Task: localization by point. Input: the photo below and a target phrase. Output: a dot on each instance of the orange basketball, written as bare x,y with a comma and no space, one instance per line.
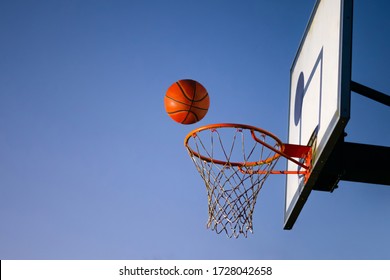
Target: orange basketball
186,101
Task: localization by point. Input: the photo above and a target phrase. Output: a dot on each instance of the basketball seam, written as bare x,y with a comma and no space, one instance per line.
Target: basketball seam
184,92
193,113
200,108
192,103
195,95
190,112
205,96
177,111
195,91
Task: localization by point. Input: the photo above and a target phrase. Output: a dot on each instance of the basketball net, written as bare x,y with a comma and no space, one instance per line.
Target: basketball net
234,166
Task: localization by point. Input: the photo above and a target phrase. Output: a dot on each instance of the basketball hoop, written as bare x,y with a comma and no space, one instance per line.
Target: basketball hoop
234,160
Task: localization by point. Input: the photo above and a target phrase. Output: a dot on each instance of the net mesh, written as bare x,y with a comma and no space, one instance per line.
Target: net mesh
234,167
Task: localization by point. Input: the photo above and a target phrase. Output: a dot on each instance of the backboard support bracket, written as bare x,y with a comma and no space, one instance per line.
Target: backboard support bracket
370,93
366,163
354,162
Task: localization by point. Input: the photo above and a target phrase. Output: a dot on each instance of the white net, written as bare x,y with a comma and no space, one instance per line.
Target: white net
234,167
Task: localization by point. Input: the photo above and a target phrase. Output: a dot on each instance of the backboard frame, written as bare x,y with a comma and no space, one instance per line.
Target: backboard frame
334,134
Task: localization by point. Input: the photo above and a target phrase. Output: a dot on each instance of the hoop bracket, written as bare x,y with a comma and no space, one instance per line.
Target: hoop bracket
290,152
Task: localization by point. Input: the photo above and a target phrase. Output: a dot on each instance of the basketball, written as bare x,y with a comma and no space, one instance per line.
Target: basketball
186,101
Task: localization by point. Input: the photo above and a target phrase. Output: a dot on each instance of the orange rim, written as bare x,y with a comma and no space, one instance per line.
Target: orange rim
252,129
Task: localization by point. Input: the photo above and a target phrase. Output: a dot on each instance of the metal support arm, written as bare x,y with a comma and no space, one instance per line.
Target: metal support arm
370,93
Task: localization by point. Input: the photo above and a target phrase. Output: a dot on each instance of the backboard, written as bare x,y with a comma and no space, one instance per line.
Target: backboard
319,106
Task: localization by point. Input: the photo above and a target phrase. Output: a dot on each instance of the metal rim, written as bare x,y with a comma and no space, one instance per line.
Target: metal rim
252,129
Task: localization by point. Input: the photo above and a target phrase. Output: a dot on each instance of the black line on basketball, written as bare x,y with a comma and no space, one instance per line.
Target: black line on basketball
180,102
184,92
188,113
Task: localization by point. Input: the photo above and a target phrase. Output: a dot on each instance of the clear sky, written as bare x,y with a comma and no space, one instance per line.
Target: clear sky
91,167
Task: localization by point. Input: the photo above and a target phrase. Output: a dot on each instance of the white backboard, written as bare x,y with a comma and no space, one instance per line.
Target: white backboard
319,107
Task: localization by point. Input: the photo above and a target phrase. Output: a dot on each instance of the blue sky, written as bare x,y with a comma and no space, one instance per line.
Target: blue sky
91,167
